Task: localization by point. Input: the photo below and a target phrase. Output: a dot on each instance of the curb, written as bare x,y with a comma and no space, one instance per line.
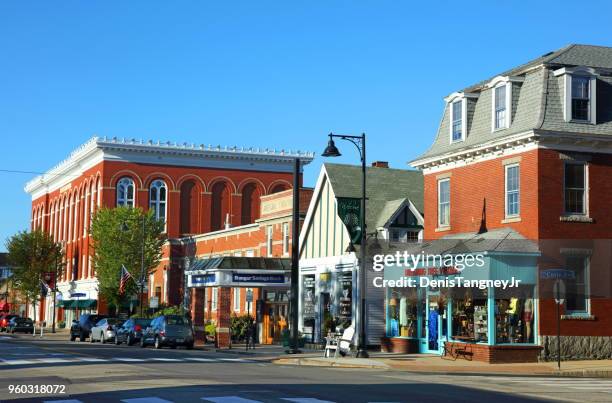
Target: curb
332,364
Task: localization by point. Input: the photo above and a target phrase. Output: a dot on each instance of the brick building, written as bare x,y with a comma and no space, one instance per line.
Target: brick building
528,155
194,188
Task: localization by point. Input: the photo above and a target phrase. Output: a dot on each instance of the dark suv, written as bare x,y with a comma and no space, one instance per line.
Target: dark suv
131,330
82,327
168,330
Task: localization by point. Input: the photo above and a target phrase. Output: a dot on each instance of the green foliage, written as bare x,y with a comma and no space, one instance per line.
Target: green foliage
170,310
240,326
118,240
61,324
33,255
211,329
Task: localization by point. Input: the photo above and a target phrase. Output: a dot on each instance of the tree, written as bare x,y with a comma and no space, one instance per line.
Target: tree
34,255
117,236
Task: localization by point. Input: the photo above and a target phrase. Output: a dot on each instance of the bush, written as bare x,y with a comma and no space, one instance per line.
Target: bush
240,326
61,324
211,329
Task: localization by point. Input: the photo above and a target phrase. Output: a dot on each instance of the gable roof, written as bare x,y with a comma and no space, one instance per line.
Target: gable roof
385,188
536,102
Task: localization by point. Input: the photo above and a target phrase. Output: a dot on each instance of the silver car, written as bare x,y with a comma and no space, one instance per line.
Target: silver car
104,330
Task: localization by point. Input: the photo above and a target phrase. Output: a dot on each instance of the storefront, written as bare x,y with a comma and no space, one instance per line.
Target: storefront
271,277
470,311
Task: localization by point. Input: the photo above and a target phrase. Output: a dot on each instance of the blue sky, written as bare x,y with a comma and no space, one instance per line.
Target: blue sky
271,74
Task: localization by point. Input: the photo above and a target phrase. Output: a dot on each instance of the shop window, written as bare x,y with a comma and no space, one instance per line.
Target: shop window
575,188
345,300
577,301
470,319
514,318
308,306
402,306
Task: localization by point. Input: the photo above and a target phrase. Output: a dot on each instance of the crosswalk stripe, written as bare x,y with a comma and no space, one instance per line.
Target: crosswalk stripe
91,359
17,362
52,360
151,399
126,359
234,360
166,359
306,400
229,399
201,359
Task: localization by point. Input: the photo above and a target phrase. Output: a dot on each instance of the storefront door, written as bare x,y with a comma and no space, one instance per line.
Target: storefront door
432,330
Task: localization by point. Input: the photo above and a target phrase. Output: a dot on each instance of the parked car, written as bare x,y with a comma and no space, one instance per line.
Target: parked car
168,330
104,329
19,324
131,330
82,328
4,321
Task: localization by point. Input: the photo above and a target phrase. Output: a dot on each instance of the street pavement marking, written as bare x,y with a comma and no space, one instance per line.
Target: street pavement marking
201,359
52,360
63,401
234,360
17,362
127,359
91,359
151,399
166,359
229,399
305,400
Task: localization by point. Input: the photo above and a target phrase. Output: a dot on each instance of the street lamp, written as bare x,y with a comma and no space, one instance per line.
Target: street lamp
332,151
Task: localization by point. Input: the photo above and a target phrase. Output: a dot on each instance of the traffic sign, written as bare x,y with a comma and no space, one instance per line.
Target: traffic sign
559,291
554,274
154,302
249,295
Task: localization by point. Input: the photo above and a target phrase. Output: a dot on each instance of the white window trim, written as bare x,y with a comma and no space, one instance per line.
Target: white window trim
586,189
157,202
126,181
269,240
440,225
285,238
567,73
587,291
507,121
463,119
214,297
236,299
506,167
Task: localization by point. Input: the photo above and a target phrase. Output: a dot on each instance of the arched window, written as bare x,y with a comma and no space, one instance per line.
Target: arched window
189,207
250,204
125,192
220,205
281,187
158,194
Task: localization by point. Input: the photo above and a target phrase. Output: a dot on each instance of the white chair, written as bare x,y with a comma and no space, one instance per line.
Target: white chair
342,344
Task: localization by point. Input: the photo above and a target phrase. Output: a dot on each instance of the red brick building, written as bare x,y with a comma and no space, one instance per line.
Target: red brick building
194,188
531,150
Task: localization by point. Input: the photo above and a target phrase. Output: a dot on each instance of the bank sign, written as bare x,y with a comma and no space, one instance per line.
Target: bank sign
258,278
202,279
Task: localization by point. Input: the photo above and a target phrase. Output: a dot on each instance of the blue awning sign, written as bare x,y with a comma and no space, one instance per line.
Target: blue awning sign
556,274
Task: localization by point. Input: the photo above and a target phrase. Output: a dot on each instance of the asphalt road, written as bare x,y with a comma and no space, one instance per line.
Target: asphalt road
107,373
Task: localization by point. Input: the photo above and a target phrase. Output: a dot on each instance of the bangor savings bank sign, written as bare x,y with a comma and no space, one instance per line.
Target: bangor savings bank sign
236,279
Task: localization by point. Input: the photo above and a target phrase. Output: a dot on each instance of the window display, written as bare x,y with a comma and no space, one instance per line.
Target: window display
470,318
514,319
403,313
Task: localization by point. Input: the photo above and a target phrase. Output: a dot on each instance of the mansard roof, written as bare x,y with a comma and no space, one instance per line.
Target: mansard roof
536,104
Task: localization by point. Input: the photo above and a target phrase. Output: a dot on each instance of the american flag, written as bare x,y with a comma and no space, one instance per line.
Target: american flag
125,276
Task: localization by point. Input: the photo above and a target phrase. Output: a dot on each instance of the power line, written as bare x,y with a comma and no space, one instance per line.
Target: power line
14,171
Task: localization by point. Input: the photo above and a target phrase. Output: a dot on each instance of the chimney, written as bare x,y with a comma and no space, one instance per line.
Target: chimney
380,164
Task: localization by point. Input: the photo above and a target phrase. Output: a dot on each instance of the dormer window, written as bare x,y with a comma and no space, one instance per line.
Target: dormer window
457,121
500,107
580,98
579,94
501,104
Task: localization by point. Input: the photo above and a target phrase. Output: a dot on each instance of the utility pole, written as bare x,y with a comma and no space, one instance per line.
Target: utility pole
295,260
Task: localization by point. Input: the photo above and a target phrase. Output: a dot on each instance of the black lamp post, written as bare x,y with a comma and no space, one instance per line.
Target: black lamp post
332,151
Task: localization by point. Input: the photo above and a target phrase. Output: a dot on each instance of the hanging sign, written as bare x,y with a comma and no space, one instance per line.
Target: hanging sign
349,210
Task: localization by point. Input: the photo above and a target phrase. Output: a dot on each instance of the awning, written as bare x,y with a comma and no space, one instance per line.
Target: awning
239,272
79,304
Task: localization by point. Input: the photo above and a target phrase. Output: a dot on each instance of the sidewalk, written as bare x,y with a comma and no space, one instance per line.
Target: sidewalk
435,364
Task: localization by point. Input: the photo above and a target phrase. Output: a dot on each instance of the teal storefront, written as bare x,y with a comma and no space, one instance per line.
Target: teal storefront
427,313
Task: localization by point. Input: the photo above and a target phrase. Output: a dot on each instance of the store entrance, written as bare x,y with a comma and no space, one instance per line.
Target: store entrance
433,329
275,310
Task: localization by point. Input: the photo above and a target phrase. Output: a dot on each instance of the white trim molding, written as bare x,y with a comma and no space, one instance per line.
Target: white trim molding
568,74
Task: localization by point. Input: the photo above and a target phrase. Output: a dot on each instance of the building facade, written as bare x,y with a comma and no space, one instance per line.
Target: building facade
193,188
530,151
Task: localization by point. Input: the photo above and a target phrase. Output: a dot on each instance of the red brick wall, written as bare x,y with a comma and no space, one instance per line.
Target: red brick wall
480,187
495,354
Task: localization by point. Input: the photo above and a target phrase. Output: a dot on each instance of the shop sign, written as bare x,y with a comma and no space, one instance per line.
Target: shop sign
308,308
346,286
201,279
154,302
349,211
554,274
249,295
258,278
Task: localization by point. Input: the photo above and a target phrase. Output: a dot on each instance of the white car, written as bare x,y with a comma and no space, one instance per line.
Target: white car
104,330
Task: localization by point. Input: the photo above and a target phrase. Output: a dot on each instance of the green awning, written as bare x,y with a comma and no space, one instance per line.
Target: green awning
80,304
